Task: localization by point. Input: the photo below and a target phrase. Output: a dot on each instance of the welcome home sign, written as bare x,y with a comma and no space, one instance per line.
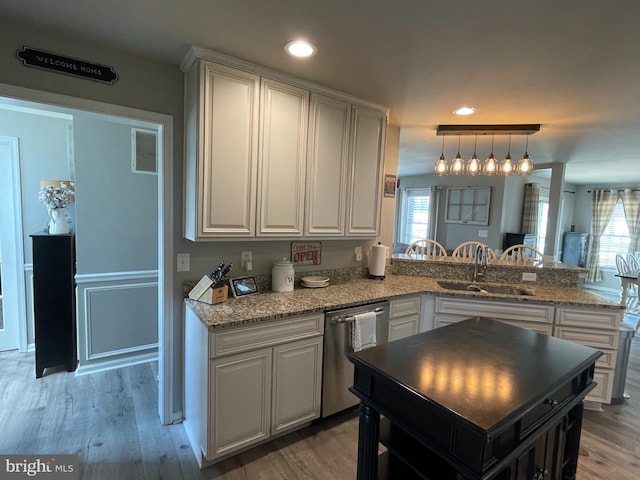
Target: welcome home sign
67,65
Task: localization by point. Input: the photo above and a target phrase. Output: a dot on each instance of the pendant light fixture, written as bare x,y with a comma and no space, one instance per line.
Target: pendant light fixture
525,165
506,166
441,167
474,166
457,165
490,166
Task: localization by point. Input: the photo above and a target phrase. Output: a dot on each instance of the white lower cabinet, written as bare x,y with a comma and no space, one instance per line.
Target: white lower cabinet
297,381
404,317
245,384
240,403
593,327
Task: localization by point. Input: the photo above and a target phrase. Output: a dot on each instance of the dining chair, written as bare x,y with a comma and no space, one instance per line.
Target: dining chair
426,247
522,253
468,250
621,264
632,262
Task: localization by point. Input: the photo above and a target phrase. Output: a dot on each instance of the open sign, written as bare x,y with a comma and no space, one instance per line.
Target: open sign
306,253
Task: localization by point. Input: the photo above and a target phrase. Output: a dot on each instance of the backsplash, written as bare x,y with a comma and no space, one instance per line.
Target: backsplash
335,275
550,275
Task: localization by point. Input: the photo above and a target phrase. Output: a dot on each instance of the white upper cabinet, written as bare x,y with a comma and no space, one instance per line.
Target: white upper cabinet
282,163
327,162
366,158
272,156
221,151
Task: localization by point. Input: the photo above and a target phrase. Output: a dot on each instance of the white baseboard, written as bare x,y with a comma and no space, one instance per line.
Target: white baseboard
103,366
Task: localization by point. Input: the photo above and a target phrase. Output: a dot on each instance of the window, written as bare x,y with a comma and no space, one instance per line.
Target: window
615,238
415,217
543,216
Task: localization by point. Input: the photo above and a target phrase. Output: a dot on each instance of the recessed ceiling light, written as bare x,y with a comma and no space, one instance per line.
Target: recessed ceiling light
464,111
300,48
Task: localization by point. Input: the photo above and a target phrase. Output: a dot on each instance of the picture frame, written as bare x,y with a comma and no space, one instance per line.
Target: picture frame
243,286
468,205
390,182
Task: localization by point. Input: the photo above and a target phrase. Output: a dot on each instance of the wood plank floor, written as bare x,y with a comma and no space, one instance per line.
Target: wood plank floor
109,419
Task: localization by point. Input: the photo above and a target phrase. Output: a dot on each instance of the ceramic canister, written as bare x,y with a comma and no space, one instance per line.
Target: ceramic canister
282,276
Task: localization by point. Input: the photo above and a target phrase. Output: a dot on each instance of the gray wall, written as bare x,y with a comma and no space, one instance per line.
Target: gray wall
116,209
451,234
153,86
44,146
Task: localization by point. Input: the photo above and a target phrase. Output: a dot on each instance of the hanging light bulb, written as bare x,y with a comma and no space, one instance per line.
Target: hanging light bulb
490,166
506,166
457,165
474,166
525,165
441,167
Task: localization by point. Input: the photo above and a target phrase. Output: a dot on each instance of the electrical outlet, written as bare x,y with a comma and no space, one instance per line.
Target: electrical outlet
184,262
529,276
483,233
357,254
246,260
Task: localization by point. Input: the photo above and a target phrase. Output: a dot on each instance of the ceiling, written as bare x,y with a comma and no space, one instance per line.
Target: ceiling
572,66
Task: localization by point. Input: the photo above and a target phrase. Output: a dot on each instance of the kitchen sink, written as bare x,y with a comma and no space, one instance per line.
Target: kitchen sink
483,288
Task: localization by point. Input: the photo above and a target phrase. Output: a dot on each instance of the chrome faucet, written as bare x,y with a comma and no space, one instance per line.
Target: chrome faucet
480,261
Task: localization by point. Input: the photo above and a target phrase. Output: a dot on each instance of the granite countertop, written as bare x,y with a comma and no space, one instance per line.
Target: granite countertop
341,294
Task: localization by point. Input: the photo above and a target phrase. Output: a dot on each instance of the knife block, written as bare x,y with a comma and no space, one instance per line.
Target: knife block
204,293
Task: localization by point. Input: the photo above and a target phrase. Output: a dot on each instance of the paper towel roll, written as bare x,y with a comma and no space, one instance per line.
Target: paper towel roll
377,260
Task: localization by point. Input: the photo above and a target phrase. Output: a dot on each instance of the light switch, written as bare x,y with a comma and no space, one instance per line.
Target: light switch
483,233
184,262
529,276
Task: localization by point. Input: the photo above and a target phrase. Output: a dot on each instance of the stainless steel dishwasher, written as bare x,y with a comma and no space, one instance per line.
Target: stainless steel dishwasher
337,369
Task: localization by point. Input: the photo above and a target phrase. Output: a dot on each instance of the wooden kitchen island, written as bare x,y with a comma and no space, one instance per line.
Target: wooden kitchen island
478,399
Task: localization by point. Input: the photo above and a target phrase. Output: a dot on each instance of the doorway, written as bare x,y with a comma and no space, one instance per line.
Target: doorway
16,95
12,316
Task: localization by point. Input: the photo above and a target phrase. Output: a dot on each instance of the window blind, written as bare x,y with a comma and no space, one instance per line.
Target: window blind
615,238
416,214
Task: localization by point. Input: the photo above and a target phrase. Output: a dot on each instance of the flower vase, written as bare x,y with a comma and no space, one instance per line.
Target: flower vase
58,223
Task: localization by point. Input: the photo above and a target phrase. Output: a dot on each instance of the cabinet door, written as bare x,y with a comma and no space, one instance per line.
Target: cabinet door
403,327
327,157
239,401
365,177
225,164
297,378
282,165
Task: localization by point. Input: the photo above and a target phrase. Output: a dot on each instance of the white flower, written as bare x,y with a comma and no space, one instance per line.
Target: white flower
54,197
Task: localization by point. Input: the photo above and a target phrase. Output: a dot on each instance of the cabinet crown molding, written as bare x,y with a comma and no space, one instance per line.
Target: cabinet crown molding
196,53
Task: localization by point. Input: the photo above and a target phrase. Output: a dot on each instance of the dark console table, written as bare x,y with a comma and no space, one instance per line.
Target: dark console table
54,301
475,400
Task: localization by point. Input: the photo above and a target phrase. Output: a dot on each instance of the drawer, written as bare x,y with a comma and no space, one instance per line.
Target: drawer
526,312
538,327
608,359
589,318
604,388
440,320
258,335
591,338
546,408
404,306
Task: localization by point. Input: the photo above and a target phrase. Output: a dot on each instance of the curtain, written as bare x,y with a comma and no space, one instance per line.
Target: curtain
530,208
602,205
631,205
